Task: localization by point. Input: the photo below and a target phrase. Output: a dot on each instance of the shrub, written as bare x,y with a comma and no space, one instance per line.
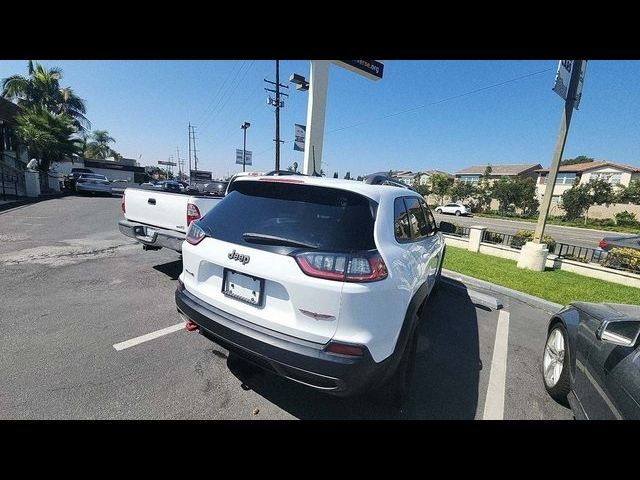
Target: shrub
493,237
523,236
626,218
623,258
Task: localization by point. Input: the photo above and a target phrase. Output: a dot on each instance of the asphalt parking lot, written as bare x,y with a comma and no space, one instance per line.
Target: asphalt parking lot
73,287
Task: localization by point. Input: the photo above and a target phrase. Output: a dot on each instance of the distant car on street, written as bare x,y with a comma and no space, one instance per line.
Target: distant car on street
607,243
93,183
454,209
591,360
217,189
69,181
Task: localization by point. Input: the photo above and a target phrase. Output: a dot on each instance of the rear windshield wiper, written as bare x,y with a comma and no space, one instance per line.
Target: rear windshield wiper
274,240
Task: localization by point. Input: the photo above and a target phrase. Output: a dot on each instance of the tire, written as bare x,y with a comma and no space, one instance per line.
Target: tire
439,211
557,383
458,213
397,390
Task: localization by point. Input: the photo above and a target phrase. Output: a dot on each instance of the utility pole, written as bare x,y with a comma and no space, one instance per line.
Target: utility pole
179,164
195,151
189,152
565,120
278,104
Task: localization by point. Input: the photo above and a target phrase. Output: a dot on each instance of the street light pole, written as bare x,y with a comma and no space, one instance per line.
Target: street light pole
244,127
565,120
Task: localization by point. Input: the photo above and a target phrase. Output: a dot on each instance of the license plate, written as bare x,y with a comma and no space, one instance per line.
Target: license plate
243,287
150,232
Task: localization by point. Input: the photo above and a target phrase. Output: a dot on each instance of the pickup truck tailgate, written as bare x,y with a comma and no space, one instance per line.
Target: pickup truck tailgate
160,209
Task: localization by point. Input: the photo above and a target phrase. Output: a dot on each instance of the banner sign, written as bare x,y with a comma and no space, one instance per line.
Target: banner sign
247,157
299,133
563,76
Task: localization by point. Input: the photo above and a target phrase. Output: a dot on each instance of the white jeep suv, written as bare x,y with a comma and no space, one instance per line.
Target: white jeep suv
318,280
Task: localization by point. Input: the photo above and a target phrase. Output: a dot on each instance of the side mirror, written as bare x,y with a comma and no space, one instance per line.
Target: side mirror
619,332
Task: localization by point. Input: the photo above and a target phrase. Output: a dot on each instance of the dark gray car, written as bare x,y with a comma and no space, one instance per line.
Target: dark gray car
591,360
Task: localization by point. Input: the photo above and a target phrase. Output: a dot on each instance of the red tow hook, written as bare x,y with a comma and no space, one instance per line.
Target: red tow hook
190,326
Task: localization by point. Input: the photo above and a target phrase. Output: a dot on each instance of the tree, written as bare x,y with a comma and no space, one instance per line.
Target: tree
484,190
576,201
99,147
423,190
526,195
462,191
441,185
335,175
631,193
42,88
578,159
347,176
48,137
506,192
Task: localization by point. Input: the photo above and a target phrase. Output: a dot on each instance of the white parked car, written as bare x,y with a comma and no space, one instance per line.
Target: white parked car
93,183
318,280
454,209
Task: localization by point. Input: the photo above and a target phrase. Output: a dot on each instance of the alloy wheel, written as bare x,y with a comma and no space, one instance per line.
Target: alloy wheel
553,361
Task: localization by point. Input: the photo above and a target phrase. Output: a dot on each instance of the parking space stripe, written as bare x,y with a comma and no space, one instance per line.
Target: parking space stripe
494,401
148,336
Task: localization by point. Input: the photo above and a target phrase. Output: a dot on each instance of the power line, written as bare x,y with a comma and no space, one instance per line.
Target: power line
204,113
232,87
454,97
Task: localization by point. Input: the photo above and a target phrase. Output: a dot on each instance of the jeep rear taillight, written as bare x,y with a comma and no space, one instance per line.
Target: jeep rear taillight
351,267
192,213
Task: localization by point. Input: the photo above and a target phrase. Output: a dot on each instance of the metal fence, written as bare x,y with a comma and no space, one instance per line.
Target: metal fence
456,231
11,181
616,261
496,238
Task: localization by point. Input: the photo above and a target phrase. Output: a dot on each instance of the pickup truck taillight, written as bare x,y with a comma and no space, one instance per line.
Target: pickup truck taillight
124,210
192,213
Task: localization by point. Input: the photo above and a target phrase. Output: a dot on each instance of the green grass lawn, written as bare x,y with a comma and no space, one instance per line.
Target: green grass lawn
591,225
553,285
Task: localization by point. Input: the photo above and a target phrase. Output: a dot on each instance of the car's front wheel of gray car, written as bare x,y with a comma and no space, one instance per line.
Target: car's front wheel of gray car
555,364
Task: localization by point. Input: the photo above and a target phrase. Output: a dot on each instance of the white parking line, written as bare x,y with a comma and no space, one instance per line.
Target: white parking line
148,336
494,401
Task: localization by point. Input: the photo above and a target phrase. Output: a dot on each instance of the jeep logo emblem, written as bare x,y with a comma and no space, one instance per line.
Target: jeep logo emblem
244,259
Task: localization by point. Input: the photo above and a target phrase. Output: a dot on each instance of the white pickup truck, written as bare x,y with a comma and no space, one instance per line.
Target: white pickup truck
159,219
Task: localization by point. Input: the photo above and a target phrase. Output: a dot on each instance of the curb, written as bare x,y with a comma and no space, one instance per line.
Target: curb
537,302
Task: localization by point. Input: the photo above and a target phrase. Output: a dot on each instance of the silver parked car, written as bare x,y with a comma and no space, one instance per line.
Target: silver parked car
591,360
454,209
93,183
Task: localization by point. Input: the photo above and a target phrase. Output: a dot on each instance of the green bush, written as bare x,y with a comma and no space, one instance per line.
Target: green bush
493,237
523,236
623,258
626,218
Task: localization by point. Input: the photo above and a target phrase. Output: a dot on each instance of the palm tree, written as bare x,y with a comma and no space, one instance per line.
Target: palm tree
49,137
99,147
42,87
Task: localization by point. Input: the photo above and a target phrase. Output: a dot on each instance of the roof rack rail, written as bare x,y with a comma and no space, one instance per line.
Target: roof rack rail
380,179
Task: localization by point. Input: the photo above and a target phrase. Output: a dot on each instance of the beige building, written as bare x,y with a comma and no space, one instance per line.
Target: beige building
474,173
424,178
616,174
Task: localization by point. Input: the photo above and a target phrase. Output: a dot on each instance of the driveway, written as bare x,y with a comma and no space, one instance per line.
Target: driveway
74,287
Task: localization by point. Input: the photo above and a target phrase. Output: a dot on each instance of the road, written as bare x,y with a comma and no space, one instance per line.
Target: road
73,287
572,236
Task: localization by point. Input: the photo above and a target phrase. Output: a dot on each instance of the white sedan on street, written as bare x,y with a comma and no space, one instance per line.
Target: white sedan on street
93,183
454,209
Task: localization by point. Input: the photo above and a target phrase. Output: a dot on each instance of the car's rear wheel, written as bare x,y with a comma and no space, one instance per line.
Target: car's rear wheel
439,210
396,391
555,364
458,213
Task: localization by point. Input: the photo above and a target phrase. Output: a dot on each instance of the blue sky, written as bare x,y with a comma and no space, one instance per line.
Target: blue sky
146,106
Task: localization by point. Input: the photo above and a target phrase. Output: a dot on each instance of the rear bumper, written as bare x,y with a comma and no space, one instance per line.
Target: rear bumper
161,238
298,360
93,187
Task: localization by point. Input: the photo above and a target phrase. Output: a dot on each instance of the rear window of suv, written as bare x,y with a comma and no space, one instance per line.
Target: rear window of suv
326,218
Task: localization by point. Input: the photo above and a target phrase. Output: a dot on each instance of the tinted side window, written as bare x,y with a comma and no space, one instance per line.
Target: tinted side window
430,220
401,221
417,220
